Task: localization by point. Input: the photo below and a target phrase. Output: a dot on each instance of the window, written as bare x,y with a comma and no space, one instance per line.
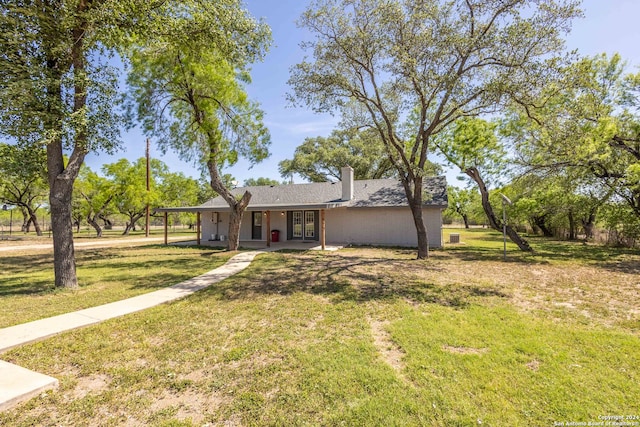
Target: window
309,224
297,224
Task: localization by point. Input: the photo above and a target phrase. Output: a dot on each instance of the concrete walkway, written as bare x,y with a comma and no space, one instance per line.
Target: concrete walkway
18,384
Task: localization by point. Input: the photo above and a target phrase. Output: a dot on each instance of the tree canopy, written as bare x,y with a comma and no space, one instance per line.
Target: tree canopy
188,89
320,159
587,127
416,67
252,182
23,181
58,91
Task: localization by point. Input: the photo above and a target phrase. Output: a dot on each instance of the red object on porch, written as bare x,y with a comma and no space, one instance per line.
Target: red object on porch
275,235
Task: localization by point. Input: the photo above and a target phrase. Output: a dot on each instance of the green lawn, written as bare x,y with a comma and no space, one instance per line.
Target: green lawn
27,290
364,336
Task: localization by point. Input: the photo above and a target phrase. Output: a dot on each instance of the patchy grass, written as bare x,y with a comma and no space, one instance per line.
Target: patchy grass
364,337
27,290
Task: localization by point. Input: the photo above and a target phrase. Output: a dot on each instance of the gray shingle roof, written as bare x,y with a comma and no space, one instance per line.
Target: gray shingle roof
367,194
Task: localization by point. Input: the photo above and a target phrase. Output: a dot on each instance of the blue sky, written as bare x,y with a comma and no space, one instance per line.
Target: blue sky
609,26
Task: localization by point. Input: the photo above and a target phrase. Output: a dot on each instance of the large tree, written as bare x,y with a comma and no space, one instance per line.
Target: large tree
261,181
188,85
460,203
320,159
129,187
558,204
416,66
472,146
57,91
23,182
93,197
587,128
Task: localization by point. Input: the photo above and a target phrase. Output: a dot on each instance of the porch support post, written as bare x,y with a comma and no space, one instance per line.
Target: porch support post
322,230
198,228
268,229
166,228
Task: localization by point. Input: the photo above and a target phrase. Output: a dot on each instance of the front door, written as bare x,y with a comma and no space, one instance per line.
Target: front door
256,226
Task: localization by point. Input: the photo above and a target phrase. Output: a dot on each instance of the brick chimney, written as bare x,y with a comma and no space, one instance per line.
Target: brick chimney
347,182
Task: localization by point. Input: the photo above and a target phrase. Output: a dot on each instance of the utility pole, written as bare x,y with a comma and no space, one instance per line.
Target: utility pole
148,189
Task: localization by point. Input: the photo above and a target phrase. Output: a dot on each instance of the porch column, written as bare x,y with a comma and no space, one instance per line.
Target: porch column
322,230
166,230
198,228
268,229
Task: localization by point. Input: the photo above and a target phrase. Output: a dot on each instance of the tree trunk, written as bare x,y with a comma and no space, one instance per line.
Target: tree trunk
465,218
572,225
34,220
108,225
60,190
494,222
235,220
64,261
589,230
92,221
413,190
421,229
26,220
61,178
540,222
238,206
588,224
131,225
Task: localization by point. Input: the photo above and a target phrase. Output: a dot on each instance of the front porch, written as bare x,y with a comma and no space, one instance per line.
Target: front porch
286,229
262,245
276,246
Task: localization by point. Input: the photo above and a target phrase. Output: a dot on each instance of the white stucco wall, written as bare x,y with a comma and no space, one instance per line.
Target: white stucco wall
363,226
209,227
278,222
381,226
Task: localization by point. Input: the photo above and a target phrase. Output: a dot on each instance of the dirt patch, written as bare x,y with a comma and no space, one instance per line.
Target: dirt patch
391,353
534,365
464,350
91,384
188,404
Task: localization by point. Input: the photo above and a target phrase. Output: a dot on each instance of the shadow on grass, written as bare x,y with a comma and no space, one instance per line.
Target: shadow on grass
547,250
345,278
389,274
25,286
116,263
18,277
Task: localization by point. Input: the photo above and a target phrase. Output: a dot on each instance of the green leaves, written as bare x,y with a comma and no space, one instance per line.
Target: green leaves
39,80
320,159
472,143
587,127
187,82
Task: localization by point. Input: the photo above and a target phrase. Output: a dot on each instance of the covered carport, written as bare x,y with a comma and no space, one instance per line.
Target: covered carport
167,211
